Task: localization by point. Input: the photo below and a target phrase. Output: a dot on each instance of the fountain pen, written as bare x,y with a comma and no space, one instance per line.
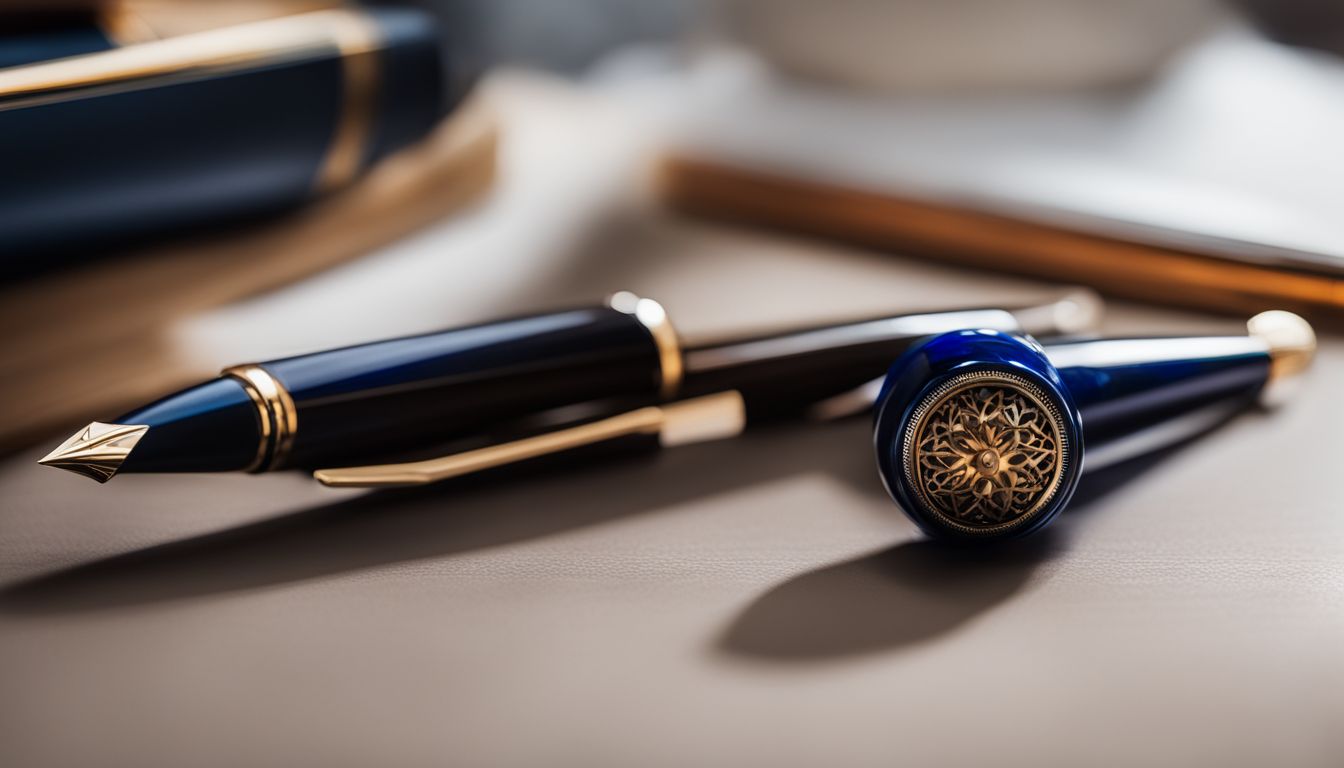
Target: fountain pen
362,404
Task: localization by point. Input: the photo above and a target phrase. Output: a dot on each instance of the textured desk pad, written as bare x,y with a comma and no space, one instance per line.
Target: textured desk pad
752,602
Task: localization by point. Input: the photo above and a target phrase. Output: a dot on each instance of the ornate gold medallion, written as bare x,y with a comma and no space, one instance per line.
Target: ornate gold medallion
986,451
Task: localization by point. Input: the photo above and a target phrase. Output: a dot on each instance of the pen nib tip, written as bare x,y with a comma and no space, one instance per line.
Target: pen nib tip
96,451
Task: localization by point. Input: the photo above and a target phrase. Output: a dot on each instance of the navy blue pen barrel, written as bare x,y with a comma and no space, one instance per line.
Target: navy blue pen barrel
358,403
1123,386
211,427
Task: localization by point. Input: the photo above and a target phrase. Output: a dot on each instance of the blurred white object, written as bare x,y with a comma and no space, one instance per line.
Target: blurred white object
1231,150
902,45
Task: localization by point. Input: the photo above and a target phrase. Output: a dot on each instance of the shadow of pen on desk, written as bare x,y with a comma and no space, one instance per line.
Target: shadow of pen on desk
465,515
910,593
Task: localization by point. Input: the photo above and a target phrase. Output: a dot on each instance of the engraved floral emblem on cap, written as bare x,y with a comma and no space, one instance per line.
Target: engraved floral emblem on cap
986,451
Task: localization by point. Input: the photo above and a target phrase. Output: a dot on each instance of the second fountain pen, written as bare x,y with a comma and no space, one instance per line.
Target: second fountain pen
360,404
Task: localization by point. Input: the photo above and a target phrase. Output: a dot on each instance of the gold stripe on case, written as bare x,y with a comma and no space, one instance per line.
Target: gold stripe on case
346,33
358,38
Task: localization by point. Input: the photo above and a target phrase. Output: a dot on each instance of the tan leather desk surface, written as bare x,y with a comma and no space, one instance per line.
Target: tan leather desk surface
752,602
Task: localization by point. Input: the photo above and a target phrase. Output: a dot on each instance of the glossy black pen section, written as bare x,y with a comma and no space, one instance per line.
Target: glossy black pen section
831,370
373,403
211,427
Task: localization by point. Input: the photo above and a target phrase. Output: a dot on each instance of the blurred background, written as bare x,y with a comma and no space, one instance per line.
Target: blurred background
187,185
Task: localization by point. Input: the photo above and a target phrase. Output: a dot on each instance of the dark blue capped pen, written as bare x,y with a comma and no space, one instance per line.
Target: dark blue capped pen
368,403
982,435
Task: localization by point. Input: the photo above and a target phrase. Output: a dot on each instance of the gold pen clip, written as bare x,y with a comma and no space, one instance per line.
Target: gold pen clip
712,417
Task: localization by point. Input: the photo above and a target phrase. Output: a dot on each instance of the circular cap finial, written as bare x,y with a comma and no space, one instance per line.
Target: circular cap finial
1291,344
986,452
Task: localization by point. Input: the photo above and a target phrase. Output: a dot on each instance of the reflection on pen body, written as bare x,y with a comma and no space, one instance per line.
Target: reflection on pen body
363,404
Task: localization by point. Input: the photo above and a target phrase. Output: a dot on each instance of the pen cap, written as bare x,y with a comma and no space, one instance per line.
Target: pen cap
976,436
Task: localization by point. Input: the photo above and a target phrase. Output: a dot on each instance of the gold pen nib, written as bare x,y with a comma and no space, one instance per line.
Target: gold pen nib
96,451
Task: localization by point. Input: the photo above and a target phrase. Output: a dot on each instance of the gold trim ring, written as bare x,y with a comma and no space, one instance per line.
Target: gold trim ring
276,414
653,317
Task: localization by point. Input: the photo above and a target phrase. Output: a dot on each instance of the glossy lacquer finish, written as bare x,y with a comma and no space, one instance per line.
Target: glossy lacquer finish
925,368
155,155
1125,388
781,374
1106,393
356,402
207,428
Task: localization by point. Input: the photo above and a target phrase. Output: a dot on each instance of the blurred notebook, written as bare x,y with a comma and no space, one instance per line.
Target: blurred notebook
1215,186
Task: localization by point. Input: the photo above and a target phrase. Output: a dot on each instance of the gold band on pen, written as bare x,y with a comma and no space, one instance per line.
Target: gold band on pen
653,317
358,39
277,416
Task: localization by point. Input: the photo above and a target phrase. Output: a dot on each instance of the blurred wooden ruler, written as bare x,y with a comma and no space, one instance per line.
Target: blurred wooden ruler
1130,267
91,343
1214,184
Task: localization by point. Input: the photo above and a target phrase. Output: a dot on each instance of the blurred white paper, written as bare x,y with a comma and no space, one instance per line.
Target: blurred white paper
1235,146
